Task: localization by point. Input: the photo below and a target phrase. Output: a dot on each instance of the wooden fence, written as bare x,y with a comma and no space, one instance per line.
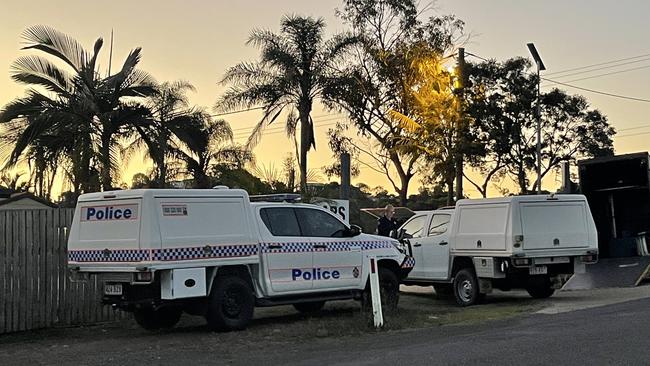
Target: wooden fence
35,289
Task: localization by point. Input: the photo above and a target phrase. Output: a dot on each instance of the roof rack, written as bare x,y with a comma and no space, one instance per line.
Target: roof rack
280,197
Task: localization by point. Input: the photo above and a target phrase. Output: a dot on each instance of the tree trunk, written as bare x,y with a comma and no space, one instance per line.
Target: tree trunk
450,189
305,137
105,161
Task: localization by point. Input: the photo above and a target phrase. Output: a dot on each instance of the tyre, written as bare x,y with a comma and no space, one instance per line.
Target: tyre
163,318
231,304
465,287
540,287
444,289
388,291
309,307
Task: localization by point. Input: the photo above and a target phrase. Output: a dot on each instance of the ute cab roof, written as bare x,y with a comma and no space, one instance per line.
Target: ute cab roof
141,193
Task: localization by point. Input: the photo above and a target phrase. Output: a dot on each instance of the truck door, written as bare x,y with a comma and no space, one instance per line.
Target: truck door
413,233
435,248
337,259
288,257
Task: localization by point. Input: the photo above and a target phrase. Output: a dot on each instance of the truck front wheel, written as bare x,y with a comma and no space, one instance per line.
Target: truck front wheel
388,290
540,287
465,287
231,304
150,319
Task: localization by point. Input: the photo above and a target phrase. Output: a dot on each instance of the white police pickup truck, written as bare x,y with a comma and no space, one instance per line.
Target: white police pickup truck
214,253
525,242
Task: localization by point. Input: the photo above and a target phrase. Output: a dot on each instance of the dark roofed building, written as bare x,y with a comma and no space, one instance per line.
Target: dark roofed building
10,200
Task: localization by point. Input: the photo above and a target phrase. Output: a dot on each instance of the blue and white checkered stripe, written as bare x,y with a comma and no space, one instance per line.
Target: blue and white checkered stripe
370,245
409,262
332,246
219,251
185,253
287,247
116,255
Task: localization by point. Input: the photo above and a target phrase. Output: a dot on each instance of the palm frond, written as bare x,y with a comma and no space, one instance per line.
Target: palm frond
57,44
404,121
39,71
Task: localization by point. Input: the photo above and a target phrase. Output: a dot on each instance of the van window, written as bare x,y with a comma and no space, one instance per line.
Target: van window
280,221
438,225
319,223
414,228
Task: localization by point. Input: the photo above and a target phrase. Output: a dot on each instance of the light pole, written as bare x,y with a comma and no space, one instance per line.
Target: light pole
540,67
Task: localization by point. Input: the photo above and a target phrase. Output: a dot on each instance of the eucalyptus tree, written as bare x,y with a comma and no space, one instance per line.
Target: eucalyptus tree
294,67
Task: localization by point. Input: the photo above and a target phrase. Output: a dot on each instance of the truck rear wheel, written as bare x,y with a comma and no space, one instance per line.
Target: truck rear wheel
540,287
231,304
309,307
163,318
465,287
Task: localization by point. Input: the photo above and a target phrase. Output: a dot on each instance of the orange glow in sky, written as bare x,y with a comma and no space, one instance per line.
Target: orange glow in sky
197,40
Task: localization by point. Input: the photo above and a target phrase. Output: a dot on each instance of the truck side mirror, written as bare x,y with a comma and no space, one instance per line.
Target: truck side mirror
355,230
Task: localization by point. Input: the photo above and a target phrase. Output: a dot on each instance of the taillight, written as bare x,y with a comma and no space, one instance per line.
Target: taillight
521,261
588,258
143,277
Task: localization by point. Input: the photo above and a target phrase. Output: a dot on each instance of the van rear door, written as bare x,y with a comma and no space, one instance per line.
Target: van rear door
107,231
554,224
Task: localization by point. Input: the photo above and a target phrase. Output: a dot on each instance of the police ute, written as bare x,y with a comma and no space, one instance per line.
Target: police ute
214,253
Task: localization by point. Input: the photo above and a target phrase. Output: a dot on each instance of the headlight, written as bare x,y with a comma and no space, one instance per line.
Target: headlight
399,246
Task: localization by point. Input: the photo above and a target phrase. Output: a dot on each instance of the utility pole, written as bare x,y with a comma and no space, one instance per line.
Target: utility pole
540,67
460,127
345,176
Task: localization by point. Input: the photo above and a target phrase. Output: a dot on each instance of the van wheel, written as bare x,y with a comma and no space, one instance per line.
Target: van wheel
540,287
388,291
163,318
465,287
309,307
231,304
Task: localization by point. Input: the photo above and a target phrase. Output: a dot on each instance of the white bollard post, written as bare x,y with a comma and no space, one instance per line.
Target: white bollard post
378,316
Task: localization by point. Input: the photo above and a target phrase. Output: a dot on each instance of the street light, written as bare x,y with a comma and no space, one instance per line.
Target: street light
540,67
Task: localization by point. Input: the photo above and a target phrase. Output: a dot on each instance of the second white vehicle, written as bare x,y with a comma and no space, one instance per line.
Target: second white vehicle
525,242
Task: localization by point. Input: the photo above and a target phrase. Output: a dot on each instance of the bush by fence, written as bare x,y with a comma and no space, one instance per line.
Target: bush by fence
35,289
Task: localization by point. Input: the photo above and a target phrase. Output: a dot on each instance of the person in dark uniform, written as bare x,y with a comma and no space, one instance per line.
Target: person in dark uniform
386,222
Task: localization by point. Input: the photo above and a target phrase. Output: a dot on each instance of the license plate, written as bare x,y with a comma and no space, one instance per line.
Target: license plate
538,270
113,289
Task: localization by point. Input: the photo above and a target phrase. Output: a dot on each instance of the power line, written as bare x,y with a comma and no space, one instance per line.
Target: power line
314,118
634,128
235,112
266,132
599,92
605,74
598,64
279,129
603,68
633,134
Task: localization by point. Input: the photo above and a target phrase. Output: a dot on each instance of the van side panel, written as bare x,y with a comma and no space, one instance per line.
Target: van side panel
205,228
556,225
482,227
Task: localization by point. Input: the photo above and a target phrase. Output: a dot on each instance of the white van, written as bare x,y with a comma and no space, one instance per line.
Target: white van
512,242
214,253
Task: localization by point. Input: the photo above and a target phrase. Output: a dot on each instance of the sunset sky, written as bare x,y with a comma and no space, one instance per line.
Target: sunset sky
197,40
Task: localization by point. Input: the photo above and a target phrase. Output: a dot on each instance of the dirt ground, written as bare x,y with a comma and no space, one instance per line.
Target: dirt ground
272,329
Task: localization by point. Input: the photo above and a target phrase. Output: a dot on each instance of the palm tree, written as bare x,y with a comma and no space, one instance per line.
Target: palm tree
84,112
207,142
171,115
294,68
